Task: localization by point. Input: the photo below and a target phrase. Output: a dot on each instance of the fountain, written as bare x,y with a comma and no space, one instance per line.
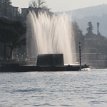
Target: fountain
50,41
50,35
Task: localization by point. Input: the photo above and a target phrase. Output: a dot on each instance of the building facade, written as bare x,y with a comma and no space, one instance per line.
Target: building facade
8,11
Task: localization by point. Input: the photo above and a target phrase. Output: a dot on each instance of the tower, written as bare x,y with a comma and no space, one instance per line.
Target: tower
98,24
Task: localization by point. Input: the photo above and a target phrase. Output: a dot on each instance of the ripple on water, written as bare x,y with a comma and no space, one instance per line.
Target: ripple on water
54,89
29,90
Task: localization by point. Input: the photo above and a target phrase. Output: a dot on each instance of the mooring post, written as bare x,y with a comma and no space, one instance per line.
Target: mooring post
80,54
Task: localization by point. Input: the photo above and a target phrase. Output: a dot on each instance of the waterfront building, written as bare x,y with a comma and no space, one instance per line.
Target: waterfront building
8,11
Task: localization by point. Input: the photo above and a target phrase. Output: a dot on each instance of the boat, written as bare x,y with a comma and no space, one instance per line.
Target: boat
45,63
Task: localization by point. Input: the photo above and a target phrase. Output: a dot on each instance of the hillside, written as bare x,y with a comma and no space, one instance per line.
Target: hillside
94,14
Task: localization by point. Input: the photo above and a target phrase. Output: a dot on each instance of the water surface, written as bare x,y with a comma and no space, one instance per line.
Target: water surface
54,89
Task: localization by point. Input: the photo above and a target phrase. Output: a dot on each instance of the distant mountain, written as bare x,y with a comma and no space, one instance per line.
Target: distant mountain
94,14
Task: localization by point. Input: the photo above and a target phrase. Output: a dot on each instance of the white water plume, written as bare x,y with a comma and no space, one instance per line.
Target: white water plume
50,35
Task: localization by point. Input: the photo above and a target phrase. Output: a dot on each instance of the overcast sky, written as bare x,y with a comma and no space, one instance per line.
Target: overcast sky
62,5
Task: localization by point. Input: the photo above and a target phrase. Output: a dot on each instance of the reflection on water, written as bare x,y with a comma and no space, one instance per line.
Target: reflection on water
54,89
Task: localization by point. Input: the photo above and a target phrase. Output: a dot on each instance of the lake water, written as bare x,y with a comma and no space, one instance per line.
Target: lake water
54,89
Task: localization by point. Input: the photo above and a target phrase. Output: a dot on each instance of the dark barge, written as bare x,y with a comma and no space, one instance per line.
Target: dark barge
45,63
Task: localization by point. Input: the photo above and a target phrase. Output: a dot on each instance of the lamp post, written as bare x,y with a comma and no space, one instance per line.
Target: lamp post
80,54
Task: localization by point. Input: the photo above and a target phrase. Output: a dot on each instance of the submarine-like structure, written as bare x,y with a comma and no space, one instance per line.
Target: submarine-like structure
45,63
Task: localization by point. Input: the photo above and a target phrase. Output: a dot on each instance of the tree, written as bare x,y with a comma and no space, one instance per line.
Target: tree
77,32
79,38
37,4
90,28
17,32
10,34
98,25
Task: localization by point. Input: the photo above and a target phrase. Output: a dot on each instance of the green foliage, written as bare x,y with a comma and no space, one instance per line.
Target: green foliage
10,33
90,28
37,4
77,34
